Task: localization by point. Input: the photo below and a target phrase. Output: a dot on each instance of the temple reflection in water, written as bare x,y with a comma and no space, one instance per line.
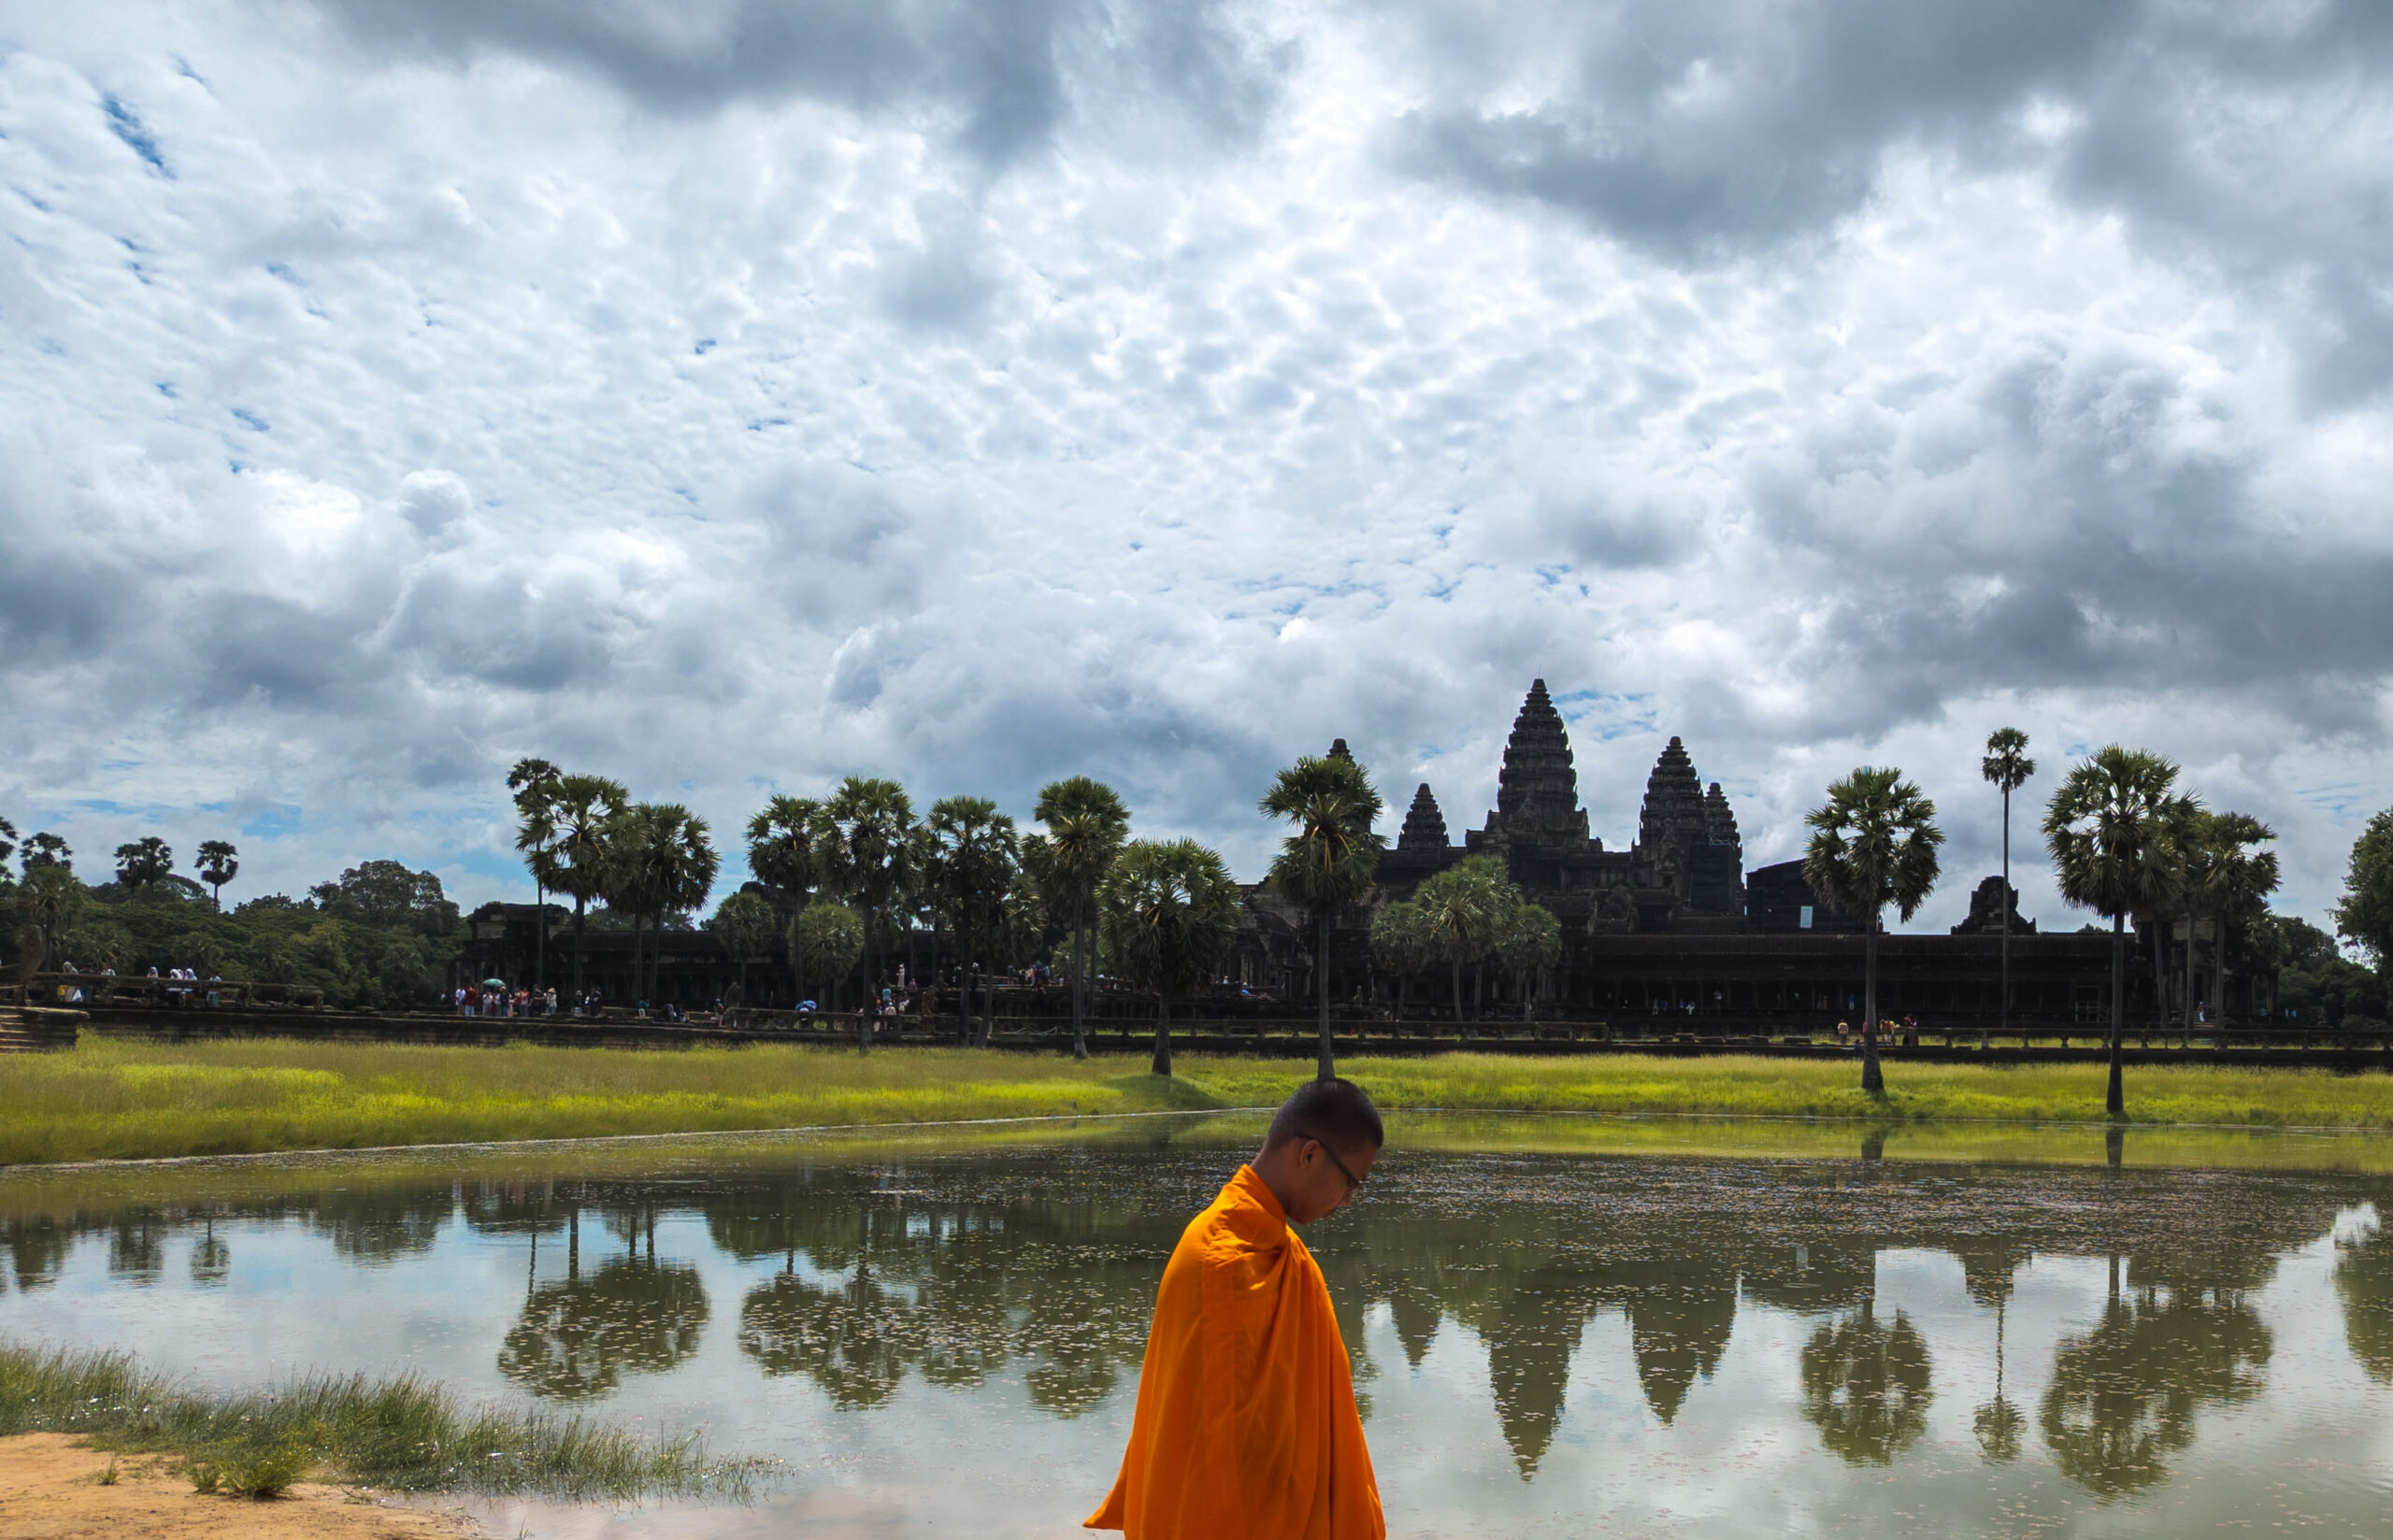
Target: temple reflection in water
952,1273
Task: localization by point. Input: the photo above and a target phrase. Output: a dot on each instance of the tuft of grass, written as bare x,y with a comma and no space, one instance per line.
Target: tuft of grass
119,1098
402,1434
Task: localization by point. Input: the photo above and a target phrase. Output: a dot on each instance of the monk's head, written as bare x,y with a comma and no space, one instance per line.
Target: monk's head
1323,1143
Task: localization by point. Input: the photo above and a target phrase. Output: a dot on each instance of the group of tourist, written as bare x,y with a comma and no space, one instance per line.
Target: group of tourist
487,999
72,992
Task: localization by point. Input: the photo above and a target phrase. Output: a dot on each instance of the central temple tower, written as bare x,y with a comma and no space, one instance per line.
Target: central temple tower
1537,793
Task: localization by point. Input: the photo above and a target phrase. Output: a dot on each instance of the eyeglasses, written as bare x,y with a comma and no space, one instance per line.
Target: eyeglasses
1353,1183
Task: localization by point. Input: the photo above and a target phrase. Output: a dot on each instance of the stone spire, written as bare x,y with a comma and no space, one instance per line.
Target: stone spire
1338,750
1674,816
1719,820
1424,826
1536,797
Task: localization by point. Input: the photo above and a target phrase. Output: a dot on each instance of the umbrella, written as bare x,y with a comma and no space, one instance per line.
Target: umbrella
493,983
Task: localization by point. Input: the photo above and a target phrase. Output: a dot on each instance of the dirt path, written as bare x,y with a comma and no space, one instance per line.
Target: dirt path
48,1493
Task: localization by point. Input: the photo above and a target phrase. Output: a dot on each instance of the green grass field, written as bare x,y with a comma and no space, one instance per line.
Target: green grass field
116,1099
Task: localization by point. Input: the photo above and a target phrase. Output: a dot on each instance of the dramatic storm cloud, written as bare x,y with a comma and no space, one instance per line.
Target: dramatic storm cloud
733,395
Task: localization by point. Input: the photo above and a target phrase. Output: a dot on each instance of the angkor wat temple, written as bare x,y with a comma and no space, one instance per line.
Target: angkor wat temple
1676,925
1672,926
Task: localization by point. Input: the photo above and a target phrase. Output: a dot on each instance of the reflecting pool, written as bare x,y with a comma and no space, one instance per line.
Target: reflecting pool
942,1335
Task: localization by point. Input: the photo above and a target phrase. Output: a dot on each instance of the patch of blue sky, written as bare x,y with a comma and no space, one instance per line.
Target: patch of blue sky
2342,800
493,865
1608,715
761,423
29,198
705,345
120,764
127,125
283,272
167,389
274,823
251,420
51,346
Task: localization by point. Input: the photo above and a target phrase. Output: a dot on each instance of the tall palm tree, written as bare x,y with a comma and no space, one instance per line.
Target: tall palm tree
2104,828
1401,944
1528,942
824,941
578,857
1463,910
746,926
144,862
1874,843
868,853
534,782
7,847
217,867
2007,766
972,863
1330,859
782,844
1085,825
666,863
1169,915
2232,881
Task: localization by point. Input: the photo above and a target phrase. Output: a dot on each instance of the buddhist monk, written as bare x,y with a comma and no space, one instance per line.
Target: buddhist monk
1246,1427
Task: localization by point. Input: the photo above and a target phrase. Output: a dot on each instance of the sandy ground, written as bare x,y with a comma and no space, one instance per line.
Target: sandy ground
48,1493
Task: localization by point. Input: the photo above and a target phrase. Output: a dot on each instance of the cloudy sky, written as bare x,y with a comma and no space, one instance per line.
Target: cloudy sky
727,395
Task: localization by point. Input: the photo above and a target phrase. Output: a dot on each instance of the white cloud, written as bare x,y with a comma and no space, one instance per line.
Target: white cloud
387,392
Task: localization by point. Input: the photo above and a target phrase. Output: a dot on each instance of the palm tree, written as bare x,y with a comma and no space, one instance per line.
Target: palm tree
868,853
1401,944
217,867
1463,910
1528,941
577,859
824,941
7,847
145,861
972,862
1169,913
2007,766
2104,828
534,782
666,863
782,843
1873,844
744,924
2231,884
1085,827
44,848
1329,861
51,905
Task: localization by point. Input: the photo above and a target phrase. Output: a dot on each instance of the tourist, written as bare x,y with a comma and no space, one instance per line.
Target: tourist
549,1002
461,1010
1245,1423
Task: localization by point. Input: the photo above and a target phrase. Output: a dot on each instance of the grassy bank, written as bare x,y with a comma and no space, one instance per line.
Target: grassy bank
112,1098
403,1434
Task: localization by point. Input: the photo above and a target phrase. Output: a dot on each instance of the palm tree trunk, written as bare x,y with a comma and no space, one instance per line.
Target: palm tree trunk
2114,1100
2006,916
1456,965
964,1032
1403,982
540,948
2218,974
1161,1064
1874,1080
578,904
1326,1063
2187,1034
1080,986
638,994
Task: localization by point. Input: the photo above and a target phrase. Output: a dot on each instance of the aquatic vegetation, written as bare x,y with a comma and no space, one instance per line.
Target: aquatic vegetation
403,1433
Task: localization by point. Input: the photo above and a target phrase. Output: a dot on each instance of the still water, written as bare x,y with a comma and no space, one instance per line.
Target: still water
944,1338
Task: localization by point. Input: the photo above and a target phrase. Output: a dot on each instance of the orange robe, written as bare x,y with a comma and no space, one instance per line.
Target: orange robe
1246,1427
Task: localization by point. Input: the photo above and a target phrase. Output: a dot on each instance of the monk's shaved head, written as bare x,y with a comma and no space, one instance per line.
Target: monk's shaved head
1339,1113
